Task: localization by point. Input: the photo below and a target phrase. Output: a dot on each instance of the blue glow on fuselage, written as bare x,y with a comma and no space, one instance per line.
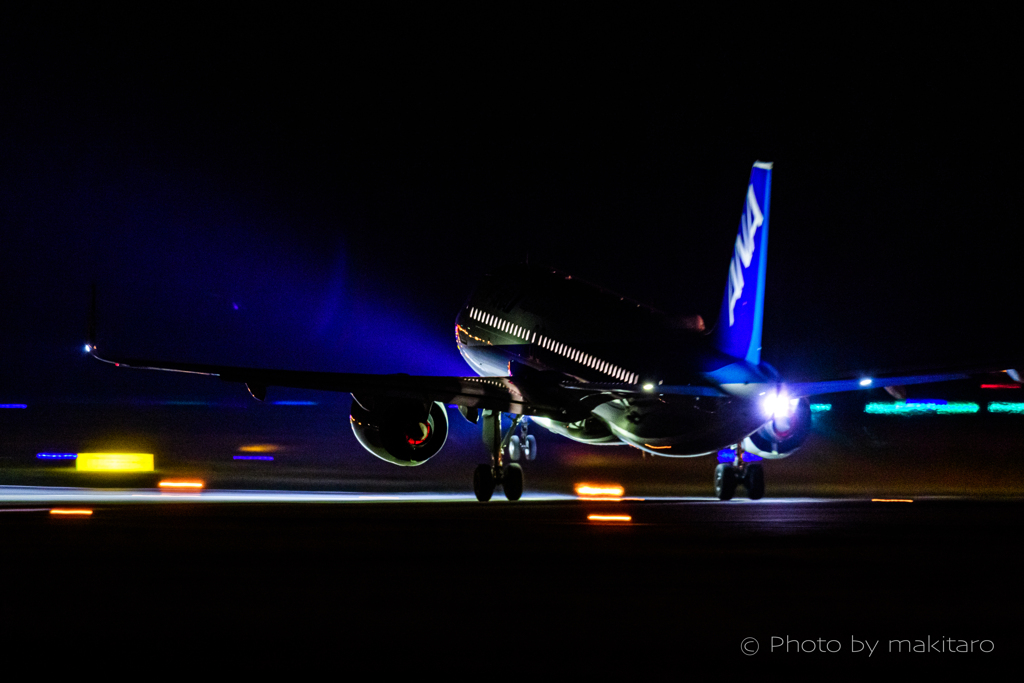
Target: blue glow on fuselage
728,456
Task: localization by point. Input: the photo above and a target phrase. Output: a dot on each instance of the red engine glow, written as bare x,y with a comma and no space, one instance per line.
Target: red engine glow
413,441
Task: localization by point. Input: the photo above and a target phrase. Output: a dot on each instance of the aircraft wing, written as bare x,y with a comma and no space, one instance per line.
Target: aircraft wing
494,393
618,387
799,389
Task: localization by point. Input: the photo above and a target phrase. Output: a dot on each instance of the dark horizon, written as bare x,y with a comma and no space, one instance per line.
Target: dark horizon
304,205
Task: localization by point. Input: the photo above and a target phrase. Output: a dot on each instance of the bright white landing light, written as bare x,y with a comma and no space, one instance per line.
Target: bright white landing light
865,382
779,405
648,387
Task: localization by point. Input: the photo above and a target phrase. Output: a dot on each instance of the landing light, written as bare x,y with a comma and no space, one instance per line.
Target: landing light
779,405
648,387
865,382
88,348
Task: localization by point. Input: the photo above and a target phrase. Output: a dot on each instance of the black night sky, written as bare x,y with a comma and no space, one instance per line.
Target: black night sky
322,192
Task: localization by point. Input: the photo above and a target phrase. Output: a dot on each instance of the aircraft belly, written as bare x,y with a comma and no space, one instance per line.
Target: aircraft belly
680,428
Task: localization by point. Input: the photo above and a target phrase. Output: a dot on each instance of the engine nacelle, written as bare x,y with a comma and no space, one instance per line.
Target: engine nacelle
783,434
404,433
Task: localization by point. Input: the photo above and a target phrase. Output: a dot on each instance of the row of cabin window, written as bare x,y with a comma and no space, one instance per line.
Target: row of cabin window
553,346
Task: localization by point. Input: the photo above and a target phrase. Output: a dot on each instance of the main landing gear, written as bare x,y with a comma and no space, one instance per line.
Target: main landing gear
748,474
510,476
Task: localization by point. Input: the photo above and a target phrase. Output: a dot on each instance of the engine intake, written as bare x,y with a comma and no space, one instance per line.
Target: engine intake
404,433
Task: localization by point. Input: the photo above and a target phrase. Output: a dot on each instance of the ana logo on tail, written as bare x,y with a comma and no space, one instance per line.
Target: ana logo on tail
744,251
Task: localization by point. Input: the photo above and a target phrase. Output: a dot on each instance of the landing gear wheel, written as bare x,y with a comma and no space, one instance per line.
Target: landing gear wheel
512,482
483,483
753,480
514,449
530,448
725,481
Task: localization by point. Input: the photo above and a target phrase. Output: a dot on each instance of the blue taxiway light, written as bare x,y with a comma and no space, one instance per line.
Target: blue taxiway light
253,457
294,403
56,456
14,406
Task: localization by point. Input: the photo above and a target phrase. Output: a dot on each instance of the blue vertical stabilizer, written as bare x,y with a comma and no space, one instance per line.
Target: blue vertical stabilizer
738,332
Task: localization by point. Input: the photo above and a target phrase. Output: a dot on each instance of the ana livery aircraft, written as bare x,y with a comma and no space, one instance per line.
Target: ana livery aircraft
592,366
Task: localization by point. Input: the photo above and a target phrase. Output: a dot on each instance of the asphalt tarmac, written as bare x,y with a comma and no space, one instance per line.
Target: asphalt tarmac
327,556
440,580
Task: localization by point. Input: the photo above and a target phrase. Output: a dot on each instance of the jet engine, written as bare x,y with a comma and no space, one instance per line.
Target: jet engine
402,432
783,434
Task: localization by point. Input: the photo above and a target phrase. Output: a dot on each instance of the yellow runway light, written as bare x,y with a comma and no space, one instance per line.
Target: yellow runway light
70,511
609,518
612,490
185,485
891,500
114,462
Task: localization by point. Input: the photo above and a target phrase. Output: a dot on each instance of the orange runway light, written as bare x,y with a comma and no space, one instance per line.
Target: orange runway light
589,490
70,511
186,485
259,448
891,500
609,518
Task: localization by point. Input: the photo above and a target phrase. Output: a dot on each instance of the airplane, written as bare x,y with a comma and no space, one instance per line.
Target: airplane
592,366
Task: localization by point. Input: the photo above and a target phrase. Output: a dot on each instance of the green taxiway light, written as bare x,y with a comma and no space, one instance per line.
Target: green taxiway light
903,408
821,407
1006,407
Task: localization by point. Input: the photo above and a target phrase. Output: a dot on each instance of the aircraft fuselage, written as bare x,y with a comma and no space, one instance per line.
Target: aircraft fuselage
524,320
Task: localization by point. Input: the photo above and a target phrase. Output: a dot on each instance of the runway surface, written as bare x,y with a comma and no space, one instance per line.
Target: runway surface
407,579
